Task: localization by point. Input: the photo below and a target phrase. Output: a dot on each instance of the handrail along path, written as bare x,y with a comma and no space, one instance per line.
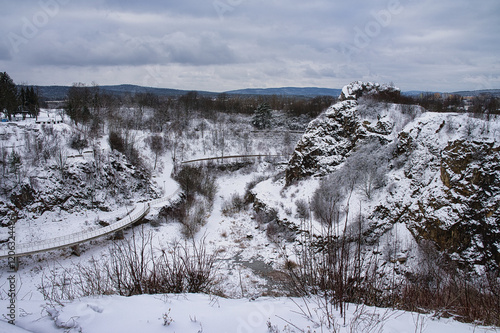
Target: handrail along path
80,237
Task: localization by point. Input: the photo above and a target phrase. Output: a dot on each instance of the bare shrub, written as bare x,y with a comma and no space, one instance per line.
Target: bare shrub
440,285
410,111
366,321
194,219
326,200
368,166
56,285
116,141
197,180
79,143
336,269
199,187
123,142
135,268
234,205
302,207
192,215
470,127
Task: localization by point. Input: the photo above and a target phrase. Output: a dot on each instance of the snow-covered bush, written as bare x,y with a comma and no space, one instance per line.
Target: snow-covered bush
195,217
233,205
134,267
326,200
77,142
199,186
196,180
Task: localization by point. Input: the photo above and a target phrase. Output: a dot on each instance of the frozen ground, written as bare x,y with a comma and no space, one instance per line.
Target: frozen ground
204,313
247,256
248,275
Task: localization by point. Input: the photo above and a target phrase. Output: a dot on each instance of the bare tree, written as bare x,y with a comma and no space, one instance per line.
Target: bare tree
157,145
302,209
367,166
61,158
326,201
287,144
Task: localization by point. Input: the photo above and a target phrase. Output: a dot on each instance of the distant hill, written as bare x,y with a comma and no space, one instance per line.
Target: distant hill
59,92
492,92
468,93
288,91
54,93
133,89
413,93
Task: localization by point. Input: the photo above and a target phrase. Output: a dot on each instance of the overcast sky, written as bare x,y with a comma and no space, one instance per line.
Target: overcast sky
220,45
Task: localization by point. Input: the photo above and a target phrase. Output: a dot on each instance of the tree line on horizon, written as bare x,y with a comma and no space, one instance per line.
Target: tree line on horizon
16,99
84,102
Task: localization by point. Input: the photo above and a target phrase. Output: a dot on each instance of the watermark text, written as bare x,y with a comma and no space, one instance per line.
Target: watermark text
31,27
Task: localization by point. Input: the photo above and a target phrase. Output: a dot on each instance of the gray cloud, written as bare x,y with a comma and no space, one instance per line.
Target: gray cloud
4,50
222,44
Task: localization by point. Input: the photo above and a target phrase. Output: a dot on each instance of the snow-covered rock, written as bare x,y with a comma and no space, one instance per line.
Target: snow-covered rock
330,138
442,180
357,89
453,198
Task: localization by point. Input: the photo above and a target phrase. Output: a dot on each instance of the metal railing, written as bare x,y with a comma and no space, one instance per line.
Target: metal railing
229,157
84,236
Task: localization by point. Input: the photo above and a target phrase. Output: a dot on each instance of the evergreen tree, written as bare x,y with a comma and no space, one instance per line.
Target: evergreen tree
33,103
29,101
262,117
22,97
8,95
79,101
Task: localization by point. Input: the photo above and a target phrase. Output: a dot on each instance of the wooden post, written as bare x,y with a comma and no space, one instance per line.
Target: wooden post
76,250
119,234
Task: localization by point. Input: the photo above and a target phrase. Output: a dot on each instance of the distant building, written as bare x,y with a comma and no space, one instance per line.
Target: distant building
48,119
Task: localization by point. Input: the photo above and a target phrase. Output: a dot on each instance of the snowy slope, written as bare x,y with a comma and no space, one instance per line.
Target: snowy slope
441,172
203,313
250,264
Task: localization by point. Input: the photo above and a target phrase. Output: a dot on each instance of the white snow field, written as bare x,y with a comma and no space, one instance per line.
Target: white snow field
246,300
204,313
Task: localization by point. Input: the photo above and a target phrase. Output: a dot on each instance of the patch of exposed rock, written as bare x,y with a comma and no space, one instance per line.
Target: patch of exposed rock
330,138
453,197
81,185
444,176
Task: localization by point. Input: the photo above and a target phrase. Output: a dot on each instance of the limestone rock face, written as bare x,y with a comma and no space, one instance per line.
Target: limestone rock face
450,196
330,138
83,185
443,178
327,142
469,167
357,89
470,172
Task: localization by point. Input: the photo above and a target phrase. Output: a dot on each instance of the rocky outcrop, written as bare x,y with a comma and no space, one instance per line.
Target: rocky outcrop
326,143
443,178
81,185
470,167
358,89
330,138
453,198
470,172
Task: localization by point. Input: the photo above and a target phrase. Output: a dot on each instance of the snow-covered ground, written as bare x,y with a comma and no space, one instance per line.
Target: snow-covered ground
248,267
204,313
